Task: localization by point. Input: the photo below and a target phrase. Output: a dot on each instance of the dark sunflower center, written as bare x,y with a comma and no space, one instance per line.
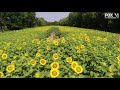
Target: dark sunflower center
54,73
78,69
55,56
74,65
56,43
33,62
54,65
119,58
42,61
4,56
69,59
10,68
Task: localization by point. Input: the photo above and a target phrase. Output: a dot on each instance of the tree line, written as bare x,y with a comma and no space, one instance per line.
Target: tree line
19,20
92,20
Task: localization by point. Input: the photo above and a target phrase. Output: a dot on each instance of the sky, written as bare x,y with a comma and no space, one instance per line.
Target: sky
52,16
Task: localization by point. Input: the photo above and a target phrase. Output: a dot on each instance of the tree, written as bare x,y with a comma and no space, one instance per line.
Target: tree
41,22
93,20
18,20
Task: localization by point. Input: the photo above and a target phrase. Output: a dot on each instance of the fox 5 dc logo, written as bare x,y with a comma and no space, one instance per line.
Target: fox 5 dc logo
111,15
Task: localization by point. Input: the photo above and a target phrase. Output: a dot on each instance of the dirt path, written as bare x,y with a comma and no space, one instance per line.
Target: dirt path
52,36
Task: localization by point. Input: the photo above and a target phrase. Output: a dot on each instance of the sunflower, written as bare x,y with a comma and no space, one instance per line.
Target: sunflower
8,44
78,51
74,64
19,48
54,65
10,68
24,43
33,62
111,69
47,39
118,62
39,50
43,61
104,39
38,42
119,49
82,46
55,56
98,38
4,56
55,42
118,57
87,39
37,75
1,74
69,59
5,48
54,73
78,69
48,48
101,39
26,54
77,47
63,40
1,51
33,41
13,62
37,54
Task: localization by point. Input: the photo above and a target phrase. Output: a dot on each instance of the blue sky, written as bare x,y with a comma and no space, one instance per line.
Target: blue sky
52,16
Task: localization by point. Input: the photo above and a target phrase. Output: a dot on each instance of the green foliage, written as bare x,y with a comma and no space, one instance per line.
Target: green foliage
53,23
51,30
17,20
41,22
92,20
97,57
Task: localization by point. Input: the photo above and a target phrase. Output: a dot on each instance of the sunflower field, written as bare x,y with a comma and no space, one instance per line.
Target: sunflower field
77,53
